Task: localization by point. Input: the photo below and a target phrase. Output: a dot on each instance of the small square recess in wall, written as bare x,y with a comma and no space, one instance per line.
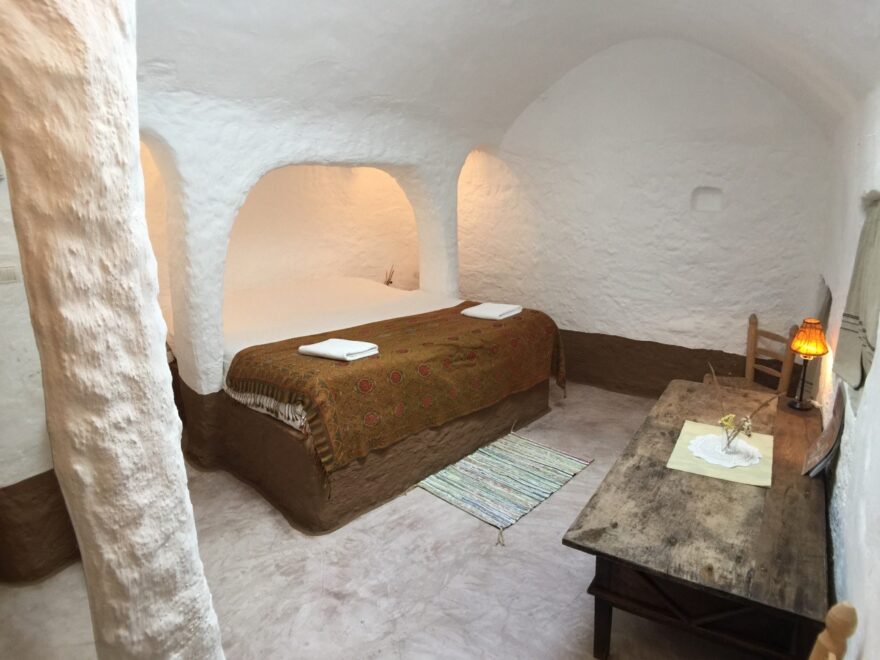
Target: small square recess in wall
707,198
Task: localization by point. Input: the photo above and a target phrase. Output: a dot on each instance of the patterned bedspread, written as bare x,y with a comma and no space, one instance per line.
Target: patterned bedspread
431,368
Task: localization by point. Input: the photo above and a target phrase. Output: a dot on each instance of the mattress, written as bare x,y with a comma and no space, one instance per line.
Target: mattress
305,307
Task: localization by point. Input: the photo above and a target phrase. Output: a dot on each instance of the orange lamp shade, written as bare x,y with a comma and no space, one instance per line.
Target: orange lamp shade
809,341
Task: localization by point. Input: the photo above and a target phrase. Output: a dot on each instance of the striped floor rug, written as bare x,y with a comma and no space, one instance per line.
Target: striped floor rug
503,481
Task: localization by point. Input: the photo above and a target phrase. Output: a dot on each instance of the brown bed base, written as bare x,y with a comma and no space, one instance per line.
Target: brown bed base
278,462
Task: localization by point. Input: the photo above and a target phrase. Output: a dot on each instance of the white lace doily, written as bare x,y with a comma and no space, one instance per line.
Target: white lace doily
711,449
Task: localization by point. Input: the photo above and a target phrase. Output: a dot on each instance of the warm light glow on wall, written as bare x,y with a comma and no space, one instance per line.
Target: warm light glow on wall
156,209
314,221
374,184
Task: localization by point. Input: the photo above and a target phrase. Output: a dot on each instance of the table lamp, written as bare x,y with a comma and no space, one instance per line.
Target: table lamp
809,342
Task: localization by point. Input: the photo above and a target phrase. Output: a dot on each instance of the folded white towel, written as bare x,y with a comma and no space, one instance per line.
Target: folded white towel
492,311
340,349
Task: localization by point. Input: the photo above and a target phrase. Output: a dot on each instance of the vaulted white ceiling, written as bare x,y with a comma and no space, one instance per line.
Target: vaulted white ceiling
472,66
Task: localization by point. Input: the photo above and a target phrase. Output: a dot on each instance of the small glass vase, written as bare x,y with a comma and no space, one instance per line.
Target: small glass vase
730,445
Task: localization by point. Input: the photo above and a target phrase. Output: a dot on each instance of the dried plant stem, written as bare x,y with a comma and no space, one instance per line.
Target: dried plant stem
747,420
718,390
389,276
743,421
762,406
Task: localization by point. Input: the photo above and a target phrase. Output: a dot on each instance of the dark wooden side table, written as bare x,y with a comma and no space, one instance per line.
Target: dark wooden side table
741,564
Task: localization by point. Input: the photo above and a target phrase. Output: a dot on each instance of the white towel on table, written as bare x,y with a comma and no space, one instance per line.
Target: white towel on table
492,311
340,349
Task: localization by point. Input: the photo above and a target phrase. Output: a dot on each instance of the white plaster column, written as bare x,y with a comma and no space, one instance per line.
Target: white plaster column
68,132
207,178
198,230
198,309
433,194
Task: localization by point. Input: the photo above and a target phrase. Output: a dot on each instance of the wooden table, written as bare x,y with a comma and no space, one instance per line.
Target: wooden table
742,564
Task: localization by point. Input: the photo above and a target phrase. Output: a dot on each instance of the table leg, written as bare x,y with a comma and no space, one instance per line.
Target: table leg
601,629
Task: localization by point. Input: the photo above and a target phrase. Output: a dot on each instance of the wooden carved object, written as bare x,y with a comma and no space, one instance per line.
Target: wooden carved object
840,624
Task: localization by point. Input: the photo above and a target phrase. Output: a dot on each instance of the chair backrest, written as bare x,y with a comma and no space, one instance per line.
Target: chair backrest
755,349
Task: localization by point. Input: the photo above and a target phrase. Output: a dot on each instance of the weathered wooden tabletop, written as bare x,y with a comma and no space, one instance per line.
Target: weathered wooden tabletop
764,544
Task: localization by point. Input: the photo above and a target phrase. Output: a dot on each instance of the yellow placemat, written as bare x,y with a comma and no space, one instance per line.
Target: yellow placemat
759,474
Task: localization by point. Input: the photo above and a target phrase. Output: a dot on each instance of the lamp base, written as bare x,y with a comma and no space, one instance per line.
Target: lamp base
800,405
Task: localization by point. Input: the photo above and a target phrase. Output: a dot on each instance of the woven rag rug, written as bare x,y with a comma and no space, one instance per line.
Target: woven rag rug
503,481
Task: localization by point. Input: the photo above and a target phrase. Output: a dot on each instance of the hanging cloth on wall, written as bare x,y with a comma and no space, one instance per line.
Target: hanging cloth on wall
858,330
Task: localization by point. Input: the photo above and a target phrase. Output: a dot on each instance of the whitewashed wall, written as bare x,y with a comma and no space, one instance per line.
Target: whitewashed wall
24,441
312,221
855,505
585,210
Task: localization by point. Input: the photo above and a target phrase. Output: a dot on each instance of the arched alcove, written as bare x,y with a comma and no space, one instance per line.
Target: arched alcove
314,221
302,228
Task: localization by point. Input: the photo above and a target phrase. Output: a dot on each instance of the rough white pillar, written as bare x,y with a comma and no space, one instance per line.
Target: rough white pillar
206,181
200,211
68,132
433,195
198,229
198,302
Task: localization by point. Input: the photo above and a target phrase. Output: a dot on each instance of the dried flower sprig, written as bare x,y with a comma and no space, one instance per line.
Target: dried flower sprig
732,425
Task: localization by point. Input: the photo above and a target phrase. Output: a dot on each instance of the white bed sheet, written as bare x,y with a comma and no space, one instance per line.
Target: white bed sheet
306,307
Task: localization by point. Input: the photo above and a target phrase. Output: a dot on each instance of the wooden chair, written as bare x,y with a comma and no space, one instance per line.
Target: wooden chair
754,351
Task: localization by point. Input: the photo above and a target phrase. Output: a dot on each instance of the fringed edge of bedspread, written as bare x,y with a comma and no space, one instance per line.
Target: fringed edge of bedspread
292,414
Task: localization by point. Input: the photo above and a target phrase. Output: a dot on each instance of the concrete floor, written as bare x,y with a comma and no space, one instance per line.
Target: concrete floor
415,578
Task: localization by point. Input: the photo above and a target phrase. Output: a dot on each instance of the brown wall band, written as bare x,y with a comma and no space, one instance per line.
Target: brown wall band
645,368
36,535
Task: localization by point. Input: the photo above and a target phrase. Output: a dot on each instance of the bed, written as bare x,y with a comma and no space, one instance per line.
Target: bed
325,441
